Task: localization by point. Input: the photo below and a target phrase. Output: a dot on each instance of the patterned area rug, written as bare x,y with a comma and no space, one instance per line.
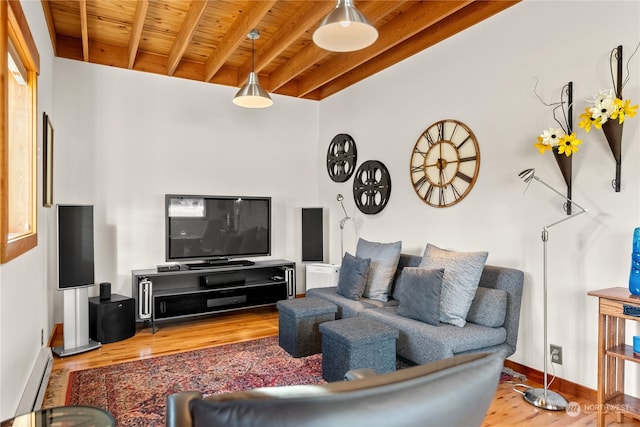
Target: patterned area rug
135,392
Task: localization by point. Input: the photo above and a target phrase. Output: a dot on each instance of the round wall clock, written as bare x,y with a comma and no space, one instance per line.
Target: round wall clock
341,157
445,163
371,187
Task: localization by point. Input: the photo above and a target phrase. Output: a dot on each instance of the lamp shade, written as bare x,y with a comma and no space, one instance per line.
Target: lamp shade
252,95
345,29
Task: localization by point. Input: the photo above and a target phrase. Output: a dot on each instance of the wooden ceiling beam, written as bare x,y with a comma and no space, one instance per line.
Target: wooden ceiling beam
406,25
312,54
453,24
136,31
235,36
84,30
191,21
304,18
51,24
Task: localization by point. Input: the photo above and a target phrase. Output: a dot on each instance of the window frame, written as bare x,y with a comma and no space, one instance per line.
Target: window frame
13,25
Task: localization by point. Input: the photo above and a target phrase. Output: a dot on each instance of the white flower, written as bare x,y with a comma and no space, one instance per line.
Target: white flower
604,106
603,96
551,136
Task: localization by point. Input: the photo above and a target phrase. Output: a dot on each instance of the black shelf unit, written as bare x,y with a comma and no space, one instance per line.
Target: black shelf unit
188,293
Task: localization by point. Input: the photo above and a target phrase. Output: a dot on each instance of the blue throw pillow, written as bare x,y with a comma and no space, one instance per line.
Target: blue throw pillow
384,262
353,276
420,291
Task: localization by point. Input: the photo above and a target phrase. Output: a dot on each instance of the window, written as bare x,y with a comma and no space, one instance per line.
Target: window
18,190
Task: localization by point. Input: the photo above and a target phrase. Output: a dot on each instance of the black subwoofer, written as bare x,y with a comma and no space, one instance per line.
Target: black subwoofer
112,319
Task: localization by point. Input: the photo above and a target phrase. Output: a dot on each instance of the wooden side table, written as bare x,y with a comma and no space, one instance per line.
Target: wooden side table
613,353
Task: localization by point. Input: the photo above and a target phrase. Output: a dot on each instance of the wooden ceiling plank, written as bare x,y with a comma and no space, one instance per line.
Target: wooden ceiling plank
69,47
84,30
51,24
136,31
465,18
305,17
191,21
312,54
288,58
236,35
419,17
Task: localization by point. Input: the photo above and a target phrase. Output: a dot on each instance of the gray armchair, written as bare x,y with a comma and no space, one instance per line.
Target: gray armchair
451,392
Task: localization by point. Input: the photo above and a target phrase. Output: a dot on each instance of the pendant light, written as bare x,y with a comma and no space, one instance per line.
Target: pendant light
345,29
252,95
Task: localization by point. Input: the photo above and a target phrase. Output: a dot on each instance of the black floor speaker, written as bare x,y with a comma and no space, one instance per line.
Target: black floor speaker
112,319
312,234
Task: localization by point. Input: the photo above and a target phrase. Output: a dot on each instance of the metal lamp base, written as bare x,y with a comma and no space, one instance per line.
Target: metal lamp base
550,400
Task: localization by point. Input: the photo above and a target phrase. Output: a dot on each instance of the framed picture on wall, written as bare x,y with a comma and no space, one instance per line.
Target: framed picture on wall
47,165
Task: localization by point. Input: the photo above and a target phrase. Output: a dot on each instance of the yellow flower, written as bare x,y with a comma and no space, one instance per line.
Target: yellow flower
587,120
569,144
624,110
541,146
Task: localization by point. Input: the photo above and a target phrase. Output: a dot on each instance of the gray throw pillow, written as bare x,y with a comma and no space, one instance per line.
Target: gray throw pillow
462,271
384,261
420,294
353,276
489,307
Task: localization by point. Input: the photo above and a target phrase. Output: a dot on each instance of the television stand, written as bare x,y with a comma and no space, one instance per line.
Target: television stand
208,289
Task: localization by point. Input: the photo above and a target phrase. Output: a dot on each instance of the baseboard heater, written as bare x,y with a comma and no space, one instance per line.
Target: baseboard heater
36,387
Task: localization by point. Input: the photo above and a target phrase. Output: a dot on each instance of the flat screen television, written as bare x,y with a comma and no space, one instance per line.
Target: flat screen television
75,246
215,229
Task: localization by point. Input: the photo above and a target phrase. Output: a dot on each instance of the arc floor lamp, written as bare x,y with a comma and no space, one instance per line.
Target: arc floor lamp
346,218
543,397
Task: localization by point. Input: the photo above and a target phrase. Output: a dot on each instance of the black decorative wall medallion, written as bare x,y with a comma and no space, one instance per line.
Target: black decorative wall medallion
341,157
371,187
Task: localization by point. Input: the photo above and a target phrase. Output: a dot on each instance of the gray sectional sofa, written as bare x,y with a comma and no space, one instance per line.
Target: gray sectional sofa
491,323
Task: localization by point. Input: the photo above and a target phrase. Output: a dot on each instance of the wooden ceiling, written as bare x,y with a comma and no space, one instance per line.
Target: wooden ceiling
207,40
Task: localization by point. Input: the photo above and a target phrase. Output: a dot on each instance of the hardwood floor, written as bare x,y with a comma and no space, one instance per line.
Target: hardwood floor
508,407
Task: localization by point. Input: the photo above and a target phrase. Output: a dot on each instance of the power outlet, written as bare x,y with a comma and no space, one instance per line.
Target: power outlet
556,354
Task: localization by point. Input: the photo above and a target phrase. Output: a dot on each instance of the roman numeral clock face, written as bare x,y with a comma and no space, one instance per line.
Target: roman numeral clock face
445,163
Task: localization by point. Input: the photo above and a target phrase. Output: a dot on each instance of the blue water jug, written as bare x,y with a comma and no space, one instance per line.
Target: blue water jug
634,277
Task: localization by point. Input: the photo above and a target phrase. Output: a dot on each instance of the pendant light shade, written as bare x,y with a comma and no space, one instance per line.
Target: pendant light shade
345,29
251,94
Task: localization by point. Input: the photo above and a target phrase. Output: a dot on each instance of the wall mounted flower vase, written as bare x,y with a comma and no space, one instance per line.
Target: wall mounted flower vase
612,128
565,164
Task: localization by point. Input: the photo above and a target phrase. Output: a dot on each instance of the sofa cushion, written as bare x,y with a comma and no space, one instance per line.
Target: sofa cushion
353,276
489,307
420,291
420,342
346,307
462,271
384,261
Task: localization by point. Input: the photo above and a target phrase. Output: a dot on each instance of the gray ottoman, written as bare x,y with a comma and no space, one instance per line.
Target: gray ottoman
298,322
354,343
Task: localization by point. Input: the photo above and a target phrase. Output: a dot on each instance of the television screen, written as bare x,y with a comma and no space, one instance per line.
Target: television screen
75,246
217,227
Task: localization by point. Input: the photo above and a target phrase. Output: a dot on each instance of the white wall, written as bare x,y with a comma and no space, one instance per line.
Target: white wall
125,139
484,77
24,311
